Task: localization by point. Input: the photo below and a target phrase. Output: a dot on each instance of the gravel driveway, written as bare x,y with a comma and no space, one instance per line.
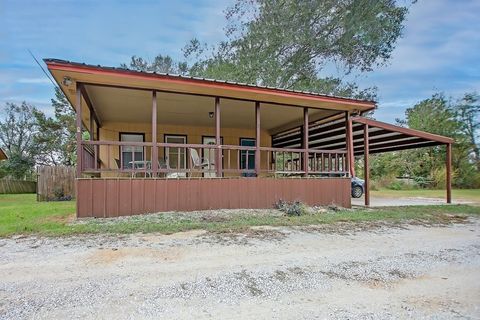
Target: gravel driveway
383,201
340,272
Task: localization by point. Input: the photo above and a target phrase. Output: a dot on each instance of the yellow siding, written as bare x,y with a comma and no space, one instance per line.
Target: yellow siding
231,136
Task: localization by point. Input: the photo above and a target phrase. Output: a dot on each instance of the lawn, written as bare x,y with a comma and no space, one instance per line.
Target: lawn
21,214
459,194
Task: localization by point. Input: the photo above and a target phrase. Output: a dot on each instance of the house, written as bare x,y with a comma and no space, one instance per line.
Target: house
3,155
161,142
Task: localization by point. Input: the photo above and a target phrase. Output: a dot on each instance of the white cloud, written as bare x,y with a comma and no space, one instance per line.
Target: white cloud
44,80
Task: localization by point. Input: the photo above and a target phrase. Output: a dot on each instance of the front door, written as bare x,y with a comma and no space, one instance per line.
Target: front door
250,164
174,156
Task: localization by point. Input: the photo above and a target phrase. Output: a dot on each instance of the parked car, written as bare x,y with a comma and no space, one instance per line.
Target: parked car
358,187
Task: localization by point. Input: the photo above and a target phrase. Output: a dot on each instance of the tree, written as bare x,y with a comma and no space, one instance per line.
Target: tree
17,138
441,116
288,43
56,135
434,115
161,64
468,113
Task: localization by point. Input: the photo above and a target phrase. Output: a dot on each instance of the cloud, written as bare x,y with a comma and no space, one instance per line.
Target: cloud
438,53
35,80
98,32
439,50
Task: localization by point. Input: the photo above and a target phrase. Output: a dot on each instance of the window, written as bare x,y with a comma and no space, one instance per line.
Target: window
131,153
247,142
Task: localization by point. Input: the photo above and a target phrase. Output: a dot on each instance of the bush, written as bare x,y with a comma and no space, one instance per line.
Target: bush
383,182
395,185
59,195
295,208
374,186
402,185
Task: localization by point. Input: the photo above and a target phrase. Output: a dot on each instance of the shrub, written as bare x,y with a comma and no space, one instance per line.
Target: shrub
374,185
59,195
384,182
403,185
295,208
395,185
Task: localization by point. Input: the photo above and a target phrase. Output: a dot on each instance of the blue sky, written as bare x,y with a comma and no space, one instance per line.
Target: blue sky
440,49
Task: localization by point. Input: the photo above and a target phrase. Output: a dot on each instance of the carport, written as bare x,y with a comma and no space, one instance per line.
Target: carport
371,136
361,136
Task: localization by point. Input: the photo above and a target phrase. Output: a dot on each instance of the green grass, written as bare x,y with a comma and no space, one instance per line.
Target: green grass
459,194
21,214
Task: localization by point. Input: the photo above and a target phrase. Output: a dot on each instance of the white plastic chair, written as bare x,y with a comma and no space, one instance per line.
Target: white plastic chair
197,162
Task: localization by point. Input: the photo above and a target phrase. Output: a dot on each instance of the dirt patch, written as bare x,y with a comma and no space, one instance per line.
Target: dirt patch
65,219
246,236
210,218
156,237
115,255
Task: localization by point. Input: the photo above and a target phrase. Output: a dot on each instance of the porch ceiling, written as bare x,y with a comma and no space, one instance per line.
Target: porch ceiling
127,105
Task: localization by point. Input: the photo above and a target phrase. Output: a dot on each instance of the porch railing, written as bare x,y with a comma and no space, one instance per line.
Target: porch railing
193,160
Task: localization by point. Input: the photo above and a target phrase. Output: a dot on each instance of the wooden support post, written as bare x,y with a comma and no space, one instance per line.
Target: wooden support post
154,135
449,173
89,103
218,140
78,131
349,144
97,147
366,165
92,137
257,138
91,127
305,142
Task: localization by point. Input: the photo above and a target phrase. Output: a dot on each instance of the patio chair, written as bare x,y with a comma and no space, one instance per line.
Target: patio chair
119,167
197,162
162,164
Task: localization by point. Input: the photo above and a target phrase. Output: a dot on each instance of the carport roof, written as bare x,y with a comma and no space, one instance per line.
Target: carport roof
383,137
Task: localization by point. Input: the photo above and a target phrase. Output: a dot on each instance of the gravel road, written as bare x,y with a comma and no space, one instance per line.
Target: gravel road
342,272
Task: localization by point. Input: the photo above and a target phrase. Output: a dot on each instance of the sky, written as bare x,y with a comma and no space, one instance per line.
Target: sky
439,50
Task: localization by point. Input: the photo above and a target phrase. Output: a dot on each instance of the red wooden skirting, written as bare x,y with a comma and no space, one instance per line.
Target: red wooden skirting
121,197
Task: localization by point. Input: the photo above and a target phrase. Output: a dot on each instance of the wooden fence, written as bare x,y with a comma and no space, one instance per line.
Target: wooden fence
55,183
17,186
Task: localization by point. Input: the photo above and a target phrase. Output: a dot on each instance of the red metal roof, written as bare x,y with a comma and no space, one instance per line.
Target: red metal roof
73,66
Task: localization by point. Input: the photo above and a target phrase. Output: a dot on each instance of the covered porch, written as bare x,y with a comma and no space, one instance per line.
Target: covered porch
157,134
163,151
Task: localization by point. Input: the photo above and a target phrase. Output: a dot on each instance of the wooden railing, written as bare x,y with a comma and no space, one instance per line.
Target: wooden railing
88,157
189,160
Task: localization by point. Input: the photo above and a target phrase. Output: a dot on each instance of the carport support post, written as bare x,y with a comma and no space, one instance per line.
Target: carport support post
349,144
366,165
218,140
154,135
449,173
305,141
257,138
78,131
